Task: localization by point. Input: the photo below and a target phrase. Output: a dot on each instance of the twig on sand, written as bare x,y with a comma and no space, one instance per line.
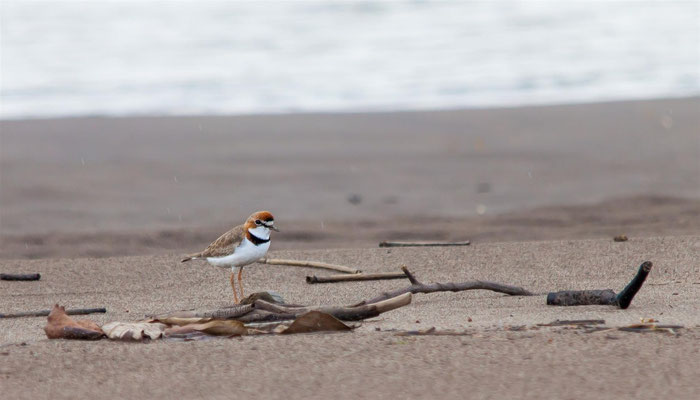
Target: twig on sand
354,277
575,322
44,313
423,244
433,332
265,311
351,313
20,277
309,264
418,287
602,297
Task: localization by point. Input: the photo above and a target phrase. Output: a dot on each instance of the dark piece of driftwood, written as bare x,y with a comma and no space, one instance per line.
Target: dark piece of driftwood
221,313
423,244
351,313
44,313
433,332
642,328
418,287
355,277
575,322
602,297
20,277
309,264
265,311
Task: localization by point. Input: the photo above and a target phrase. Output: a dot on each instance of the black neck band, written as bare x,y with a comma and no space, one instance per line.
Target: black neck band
256,240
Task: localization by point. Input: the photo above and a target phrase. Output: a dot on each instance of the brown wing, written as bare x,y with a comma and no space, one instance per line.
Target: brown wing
222,246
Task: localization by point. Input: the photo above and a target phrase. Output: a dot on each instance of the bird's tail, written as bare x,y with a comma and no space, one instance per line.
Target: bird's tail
191,257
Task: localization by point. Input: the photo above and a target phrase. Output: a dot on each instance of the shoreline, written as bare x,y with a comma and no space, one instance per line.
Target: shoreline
358,112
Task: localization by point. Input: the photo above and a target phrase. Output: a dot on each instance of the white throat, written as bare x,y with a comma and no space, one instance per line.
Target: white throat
260,232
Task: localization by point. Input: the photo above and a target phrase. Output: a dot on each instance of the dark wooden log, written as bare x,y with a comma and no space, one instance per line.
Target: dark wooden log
20,277
355,277
581,297
625,297
423,244
44,313
602,297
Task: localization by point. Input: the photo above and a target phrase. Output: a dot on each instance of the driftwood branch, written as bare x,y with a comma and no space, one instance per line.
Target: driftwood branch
310,264
423,244
44,313
222,313
266,311
410,276
602,297
354,277
20,277
352,313
418,287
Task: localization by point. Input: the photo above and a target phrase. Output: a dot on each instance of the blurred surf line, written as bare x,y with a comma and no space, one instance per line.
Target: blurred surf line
182,58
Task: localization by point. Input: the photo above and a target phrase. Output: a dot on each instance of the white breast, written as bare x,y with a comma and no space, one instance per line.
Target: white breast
246,253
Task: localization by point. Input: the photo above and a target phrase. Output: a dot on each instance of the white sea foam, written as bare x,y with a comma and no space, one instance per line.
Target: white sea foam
127,58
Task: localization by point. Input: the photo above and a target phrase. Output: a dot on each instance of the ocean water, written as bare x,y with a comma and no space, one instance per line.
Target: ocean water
177,58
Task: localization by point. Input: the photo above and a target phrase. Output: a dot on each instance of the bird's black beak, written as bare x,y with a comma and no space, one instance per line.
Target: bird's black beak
274,228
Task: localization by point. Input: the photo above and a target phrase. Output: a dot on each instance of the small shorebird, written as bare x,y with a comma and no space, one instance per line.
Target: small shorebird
242,245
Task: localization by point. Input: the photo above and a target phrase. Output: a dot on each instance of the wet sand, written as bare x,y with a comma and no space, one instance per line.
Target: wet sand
120,186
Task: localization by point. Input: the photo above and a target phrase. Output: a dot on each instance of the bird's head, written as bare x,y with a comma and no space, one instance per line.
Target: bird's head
260,224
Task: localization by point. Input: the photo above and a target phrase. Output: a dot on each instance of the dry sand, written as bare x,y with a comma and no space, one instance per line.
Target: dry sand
568,176
493,361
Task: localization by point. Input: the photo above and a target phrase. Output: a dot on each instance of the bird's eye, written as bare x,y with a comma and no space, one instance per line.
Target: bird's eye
257,222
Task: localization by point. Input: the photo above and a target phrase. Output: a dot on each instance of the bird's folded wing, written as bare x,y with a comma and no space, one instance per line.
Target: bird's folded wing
225,244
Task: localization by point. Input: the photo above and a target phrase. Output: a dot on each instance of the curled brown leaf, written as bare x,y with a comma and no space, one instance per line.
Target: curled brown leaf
61,326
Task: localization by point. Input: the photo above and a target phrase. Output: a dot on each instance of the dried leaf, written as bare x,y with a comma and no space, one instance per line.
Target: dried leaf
216,327
61,326
315,321
134,330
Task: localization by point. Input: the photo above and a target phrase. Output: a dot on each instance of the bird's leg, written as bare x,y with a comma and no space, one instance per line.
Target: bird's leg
240,281
233,286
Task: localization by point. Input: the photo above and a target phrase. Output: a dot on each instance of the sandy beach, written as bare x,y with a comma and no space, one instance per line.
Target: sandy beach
504,353
104,207
123,186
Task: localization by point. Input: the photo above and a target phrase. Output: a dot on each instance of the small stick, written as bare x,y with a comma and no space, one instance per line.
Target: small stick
44,313
433,332
20,277
575,322
410,276
355,277
423,244
418,287
309,264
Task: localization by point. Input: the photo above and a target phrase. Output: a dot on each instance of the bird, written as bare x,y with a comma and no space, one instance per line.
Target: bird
242,245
